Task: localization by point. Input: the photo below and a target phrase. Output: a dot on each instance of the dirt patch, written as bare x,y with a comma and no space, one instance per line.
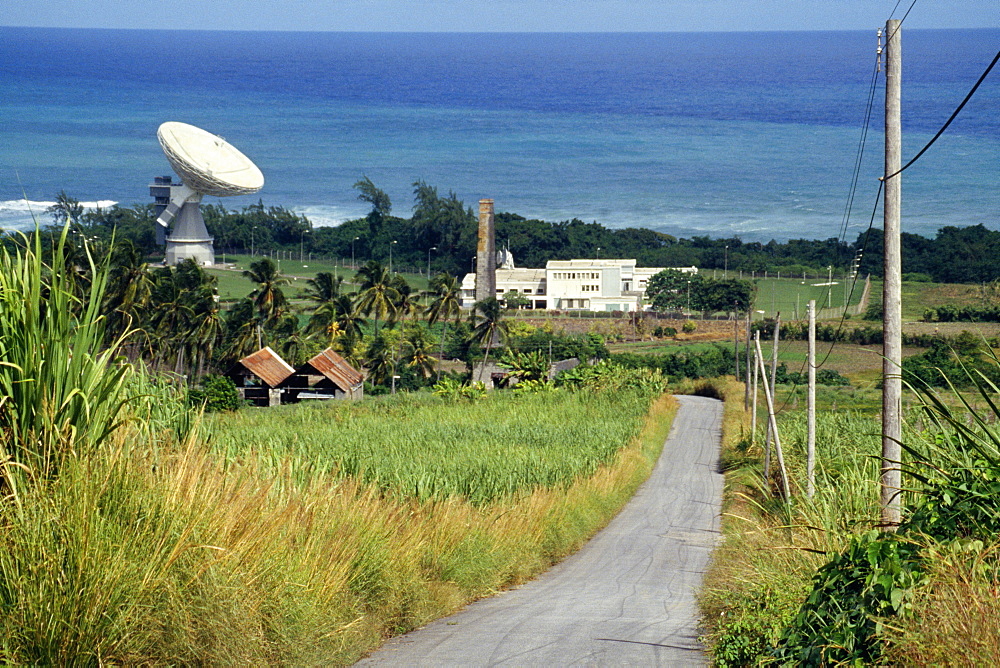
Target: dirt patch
625,329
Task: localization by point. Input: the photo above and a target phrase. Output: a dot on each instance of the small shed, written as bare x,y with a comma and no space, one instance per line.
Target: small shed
258,377
325,376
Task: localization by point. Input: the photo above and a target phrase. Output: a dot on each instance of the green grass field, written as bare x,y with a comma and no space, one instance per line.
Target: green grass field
233,286
789,296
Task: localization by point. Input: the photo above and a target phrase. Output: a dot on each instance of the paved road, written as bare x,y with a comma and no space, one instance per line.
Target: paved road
626,598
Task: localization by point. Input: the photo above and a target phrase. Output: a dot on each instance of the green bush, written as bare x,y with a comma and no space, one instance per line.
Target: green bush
688,326
839,622
217,393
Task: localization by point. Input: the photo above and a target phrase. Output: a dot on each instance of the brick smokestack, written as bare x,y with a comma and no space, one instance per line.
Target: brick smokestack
486,256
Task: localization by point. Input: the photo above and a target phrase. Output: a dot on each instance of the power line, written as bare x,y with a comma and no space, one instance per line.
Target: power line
954,115
862,142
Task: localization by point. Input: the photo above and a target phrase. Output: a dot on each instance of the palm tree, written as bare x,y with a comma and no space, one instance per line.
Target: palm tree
183,316
417,346
325,292
376,294
324,288
167,320
347,320
407,303
294,347
489,325
129,288
380,359
243,333
445,302
268,298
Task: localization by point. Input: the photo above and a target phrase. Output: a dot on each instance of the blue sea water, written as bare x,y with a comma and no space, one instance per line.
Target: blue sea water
748,134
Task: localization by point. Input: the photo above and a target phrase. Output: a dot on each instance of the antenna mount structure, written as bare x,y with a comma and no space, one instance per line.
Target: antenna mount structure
207,165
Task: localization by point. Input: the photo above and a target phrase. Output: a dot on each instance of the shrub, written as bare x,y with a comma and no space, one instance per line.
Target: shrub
217,393
689,326
839,622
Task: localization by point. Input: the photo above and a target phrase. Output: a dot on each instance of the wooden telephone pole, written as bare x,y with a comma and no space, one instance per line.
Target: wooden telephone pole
892,346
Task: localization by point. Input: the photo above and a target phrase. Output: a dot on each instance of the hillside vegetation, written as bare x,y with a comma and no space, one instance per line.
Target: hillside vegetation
132,533
814,582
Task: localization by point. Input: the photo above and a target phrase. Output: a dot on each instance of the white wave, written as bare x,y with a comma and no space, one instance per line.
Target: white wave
21,214
324,215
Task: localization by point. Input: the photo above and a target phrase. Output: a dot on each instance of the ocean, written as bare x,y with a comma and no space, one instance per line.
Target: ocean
718,134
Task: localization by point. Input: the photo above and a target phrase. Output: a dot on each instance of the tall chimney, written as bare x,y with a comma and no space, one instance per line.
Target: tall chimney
486,256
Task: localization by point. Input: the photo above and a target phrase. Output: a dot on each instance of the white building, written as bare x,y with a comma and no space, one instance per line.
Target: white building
573,285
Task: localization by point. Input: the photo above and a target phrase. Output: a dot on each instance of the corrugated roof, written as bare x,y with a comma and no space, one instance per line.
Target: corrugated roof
336,368
268,366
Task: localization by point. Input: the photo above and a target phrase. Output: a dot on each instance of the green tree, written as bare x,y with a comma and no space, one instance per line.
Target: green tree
513,300
444,295
381,206
377,295
183,319
129,288
268,298
380,357
730,294
407,303
488,326
530,366
65,210
325,291
418,346
671,289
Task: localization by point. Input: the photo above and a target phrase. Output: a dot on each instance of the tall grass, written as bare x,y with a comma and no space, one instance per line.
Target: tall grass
183,556
427,447
925,595
62,391
762,572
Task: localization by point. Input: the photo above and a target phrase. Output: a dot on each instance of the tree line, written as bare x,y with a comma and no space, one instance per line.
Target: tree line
171,318
441,232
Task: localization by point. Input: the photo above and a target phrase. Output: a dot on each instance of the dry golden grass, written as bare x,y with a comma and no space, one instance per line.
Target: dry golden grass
956,616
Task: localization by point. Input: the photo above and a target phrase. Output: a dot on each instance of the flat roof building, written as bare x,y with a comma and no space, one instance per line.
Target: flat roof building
567,285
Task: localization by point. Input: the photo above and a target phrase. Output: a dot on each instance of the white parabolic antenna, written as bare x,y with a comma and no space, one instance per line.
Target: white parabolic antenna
207,165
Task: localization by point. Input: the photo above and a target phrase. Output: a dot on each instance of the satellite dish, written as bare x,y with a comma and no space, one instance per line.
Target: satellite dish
207,165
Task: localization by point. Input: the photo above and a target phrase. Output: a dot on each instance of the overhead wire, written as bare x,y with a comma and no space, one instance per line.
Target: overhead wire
951,118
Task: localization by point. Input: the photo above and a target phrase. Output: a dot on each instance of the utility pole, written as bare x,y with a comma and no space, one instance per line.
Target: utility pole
773,385
746,357
736,338
829,287
811,404
756,367
771,420
892,346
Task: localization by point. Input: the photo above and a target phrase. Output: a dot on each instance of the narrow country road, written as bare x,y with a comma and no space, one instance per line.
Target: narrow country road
626,598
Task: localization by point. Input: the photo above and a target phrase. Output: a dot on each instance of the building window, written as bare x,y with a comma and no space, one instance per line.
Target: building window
527,291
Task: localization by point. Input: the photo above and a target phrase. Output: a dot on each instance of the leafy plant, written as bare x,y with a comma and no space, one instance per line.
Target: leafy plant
532,366
63,389
217,393
840,620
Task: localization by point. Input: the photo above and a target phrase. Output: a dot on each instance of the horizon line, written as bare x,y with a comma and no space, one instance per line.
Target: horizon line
484,32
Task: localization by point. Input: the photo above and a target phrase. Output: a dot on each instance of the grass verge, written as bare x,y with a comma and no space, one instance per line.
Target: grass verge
185,556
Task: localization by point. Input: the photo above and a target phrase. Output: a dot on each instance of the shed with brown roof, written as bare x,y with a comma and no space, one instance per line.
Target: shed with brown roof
259,376
325,376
